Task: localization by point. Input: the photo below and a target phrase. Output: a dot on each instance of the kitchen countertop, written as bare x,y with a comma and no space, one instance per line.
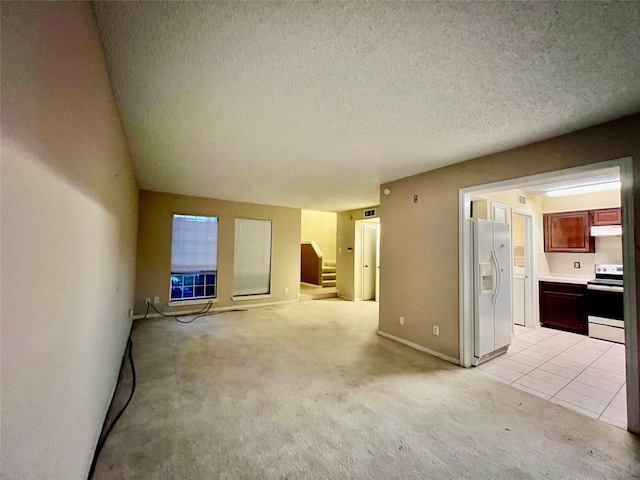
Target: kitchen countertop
564,279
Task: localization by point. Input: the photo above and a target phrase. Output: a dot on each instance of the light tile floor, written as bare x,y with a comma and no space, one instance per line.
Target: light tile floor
578,372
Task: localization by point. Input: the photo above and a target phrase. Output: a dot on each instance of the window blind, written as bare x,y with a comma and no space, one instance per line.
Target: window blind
252,257
194,243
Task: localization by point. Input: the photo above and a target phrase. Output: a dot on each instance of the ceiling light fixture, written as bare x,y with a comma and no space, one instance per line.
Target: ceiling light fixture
596,187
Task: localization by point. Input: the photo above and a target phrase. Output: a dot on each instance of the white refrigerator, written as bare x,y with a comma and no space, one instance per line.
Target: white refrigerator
492,289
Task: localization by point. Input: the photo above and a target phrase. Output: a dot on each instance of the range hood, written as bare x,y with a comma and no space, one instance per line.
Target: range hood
607,231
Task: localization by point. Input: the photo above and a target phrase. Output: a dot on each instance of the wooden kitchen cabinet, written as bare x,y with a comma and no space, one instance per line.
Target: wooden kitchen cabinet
568,232
564,306
606,216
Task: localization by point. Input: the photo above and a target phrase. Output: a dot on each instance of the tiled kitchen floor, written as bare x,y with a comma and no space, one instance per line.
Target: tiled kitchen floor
578,372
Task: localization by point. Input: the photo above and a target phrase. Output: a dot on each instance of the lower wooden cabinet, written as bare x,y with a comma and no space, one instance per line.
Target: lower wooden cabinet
564,306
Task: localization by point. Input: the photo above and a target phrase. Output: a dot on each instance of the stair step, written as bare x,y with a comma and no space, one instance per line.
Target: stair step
329,263
328,269
329,276
328,283
317,296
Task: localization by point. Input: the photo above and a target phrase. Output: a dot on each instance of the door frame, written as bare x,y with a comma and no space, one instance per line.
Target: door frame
531,316
358,252
376,227
465,270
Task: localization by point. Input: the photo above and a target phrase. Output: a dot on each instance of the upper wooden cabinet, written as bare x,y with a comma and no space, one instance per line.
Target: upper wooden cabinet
606,216
568,232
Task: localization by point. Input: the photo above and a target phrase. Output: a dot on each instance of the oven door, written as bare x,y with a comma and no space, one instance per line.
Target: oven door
605,309
605,302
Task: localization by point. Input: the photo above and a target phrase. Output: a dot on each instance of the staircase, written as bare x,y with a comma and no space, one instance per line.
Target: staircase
327,288
329,274
317,275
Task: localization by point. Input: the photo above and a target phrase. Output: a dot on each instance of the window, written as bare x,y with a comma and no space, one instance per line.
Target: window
194,257
252,258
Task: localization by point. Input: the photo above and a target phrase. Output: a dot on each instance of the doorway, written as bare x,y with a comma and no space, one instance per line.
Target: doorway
524,302
367,266
625,168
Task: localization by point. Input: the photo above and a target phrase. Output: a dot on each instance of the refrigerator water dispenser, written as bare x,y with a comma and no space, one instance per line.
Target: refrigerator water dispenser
486,279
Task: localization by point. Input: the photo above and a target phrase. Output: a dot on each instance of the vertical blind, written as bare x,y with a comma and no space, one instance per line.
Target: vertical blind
252,257
194,243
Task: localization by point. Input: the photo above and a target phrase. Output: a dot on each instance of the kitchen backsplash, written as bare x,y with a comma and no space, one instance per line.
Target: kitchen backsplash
608,250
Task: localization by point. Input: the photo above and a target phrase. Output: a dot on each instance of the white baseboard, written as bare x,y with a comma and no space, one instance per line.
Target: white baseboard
219,309
419,347
347,298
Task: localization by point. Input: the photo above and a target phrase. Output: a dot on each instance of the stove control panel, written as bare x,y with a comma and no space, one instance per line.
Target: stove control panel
608,269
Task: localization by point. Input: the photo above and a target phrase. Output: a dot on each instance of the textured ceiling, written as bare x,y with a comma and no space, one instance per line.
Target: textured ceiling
313,105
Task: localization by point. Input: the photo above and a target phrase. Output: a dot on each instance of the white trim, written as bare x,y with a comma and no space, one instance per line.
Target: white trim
251,297
415,346
196,301
465,299
219,309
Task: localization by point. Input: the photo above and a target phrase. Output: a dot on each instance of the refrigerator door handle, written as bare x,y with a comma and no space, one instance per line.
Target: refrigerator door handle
497,278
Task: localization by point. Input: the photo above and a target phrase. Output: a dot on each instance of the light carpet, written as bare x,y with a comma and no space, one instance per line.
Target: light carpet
308,390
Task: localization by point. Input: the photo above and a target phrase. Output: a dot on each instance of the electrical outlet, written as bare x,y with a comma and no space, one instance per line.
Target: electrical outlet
147,301
401,320
436,330
576,264
156,300
286,289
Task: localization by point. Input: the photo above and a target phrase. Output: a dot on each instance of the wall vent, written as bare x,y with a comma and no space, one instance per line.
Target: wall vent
522,200
370,213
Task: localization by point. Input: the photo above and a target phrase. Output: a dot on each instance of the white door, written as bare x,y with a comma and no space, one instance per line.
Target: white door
524,303
502,300
369,264
485,284
499,212
377,262
519,303
519,245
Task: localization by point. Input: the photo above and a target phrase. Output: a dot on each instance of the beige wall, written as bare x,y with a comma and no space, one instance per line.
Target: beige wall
419,253
608,250
345,261
69,213
585,201
154,246
320,227
518,230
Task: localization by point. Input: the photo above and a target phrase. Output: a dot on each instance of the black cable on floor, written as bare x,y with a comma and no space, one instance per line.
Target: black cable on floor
202,313
205,311
115,420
